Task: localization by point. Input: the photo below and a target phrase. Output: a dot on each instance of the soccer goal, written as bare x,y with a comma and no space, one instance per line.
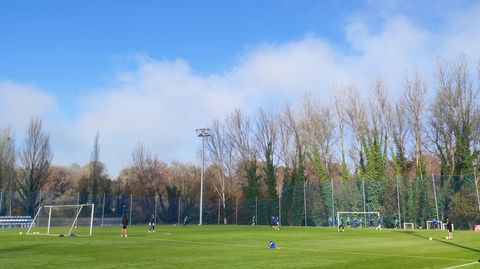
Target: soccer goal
431,226
66,220
444,226
408,226
357,218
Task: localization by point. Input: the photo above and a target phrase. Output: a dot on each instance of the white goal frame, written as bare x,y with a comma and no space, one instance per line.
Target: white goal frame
408,223
429,225
49,207
357,212
444,227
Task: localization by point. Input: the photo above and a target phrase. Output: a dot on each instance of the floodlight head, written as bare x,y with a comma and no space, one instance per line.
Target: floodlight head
203,132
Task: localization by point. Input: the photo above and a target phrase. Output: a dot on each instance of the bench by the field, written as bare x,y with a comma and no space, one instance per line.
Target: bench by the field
15,221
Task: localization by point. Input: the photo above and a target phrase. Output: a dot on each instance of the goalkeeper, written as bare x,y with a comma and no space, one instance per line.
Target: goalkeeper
379,223
125,221
341,227
151,224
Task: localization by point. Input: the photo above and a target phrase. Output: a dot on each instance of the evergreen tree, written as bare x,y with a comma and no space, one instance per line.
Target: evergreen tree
270,182
325,184
251,188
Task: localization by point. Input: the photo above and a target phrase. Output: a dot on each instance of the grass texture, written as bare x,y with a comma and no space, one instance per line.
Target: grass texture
233,246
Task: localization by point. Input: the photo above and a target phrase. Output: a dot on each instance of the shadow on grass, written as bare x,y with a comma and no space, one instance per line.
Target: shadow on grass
442,241
20,248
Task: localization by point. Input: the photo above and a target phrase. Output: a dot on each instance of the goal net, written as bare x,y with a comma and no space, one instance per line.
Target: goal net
434,225
358,219
408,226
66,220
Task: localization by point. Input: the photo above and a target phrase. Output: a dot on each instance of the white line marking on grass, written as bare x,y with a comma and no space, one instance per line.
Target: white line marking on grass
461,265
314,250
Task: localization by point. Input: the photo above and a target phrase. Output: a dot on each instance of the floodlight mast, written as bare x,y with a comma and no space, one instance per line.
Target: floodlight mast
202,132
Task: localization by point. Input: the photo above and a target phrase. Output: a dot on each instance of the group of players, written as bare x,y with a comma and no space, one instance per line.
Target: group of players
151,224
449,226
355,223
275,223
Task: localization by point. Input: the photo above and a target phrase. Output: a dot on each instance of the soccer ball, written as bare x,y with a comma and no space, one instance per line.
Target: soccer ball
430,239
174,224
446,237
20,233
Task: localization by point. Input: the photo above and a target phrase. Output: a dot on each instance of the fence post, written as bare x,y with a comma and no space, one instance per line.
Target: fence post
236,211
256,210
398,204
218,211
305,200
178,218
155,209
131,202
1,199
103,209
280,208
435,195
364,204
10,196
476,188
333,199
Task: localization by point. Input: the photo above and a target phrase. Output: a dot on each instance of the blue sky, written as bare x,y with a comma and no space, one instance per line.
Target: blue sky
153,71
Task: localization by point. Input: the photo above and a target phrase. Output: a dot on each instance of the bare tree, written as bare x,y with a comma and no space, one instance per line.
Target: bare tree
7,167
356,119
398,133
35,157
221,155
454,117
413,102
286,146
318,131
149,172
185,177
340,108
293,124
266,137
95,170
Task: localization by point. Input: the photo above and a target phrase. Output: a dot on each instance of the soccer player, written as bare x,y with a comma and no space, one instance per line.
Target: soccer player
185,221
276,222
341,227
379,223
253,221
449,228
395,224
125,221
356,223
151,224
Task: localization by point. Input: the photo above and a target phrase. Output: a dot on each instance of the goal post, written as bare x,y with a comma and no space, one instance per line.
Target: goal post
66,220
408,226
358,213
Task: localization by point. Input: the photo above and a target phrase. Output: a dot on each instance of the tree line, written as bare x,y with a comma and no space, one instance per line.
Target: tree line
328,148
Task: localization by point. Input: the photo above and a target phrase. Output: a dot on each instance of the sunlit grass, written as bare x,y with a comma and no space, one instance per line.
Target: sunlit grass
239,247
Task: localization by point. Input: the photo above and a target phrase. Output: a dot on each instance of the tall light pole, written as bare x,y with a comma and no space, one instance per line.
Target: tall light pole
202,132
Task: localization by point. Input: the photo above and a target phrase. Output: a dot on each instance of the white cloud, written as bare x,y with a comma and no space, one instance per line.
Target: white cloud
19,102
160,102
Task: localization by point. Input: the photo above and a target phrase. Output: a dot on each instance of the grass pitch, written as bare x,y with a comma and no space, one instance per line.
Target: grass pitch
241,247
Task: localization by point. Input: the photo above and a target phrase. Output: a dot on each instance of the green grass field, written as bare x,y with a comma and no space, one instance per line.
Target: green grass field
241,247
